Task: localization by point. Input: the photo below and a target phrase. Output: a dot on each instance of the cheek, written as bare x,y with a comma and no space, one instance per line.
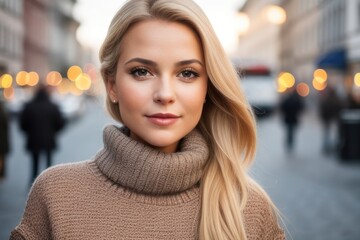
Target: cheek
194,99
131,99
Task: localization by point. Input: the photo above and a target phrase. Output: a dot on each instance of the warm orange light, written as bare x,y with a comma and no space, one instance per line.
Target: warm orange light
275,14
281,88
286,80
243,22
74,90
318,85
6,81
320,75
64,86
33,79
53,78
8,93
73,72
21,78
83,82
357,79
303,89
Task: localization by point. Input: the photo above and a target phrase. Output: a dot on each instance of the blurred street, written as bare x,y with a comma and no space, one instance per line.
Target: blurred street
319,197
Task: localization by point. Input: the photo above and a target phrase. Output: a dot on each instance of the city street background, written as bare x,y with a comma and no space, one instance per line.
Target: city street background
311,47
319,197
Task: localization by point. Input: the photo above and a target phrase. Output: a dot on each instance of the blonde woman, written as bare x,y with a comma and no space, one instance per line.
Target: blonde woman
177,167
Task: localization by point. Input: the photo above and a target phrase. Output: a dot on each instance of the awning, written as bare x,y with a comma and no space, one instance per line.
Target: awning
335,59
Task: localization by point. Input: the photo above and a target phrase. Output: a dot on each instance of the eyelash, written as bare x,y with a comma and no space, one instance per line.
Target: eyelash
135,72
191,71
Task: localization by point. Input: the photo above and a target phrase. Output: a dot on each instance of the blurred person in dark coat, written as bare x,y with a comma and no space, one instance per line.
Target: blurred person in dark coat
330,105
41,120
291,107
4,138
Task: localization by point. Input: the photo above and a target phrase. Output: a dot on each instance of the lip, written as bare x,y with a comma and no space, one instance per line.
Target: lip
163,119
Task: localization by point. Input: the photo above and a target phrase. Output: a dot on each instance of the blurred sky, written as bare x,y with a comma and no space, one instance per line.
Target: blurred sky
95,17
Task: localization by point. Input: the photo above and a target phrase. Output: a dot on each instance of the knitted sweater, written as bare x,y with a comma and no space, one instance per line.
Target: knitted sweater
130,191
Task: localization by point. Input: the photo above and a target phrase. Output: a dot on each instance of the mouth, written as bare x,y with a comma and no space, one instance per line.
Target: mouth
163,119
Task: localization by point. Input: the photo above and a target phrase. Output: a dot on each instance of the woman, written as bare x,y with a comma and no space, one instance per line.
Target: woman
177,169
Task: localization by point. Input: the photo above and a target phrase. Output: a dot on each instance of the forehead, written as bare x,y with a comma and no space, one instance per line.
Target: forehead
160,36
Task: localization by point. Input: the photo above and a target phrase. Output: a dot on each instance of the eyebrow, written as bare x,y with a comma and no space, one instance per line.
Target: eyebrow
152,63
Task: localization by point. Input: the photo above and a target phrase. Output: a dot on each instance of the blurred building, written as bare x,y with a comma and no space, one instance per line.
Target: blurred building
316,34
260,42
299,38
353,39
39,36
11,36
63,37
50,42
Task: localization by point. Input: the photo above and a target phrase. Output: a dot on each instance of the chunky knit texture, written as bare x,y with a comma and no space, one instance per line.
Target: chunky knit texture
130,191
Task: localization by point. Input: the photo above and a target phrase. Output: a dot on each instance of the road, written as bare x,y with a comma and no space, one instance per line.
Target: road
318,196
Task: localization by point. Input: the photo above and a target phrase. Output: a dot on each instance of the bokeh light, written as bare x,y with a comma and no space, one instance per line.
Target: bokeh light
357,79
6,81
53,78
21,78
303,89
242,23
319,85
286,80
281,88
275,14
64,86
33,79
320,75
8,93
83,82
73,72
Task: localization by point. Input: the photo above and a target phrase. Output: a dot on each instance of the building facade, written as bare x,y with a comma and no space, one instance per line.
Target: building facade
261,42
50,42
11,36
322,34
316,34
39,36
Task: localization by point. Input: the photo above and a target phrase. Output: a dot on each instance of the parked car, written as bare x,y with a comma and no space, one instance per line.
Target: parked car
259,84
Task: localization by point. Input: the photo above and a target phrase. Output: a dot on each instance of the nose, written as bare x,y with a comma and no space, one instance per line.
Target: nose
164,92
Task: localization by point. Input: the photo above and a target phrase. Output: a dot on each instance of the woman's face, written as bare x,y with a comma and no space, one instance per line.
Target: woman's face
160,83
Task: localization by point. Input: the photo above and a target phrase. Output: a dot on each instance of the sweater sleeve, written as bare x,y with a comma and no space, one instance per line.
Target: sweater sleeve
35,221
261,220
271,227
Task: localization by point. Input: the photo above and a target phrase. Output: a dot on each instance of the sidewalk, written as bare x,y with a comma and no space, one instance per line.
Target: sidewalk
319,196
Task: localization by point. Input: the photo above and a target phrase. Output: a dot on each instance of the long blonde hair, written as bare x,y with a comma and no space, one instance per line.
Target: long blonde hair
227,121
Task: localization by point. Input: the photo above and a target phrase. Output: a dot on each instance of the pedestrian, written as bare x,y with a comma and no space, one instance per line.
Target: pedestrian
291,107
330,105
4,139
176,169
41,121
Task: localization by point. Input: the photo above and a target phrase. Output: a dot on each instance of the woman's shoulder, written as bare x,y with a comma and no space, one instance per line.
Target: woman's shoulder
62,174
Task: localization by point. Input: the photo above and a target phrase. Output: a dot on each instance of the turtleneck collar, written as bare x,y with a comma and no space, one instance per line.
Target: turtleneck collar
144,169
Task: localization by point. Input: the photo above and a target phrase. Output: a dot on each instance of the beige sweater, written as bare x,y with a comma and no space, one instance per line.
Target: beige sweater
129,191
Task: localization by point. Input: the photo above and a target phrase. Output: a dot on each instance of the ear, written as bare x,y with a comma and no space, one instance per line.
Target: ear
111,88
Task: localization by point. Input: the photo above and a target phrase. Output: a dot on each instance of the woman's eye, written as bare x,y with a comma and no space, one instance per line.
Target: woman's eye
188,74
140,72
